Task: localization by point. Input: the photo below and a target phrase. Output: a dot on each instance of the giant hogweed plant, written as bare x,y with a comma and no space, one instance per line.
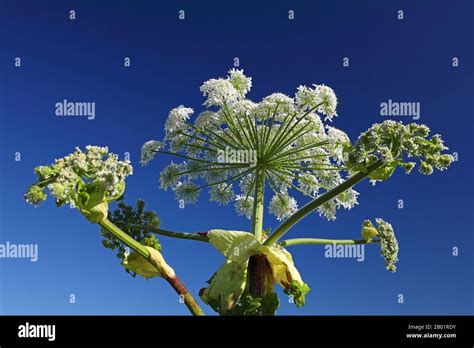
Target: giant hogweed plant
239,151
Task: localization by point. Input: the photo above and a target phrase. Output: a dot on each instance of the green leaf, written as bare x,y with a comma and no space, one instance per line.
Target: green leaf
237,247
91,201
139,265
281,263
226,286
234,245
384,172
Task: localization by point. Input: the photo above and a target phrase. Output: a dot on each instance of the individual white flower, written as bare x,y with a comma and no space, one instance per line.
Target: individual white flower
177,118
328,98
170,175
149,150
244,206
222,194
187,192
328,210
282,206
218,92
240,82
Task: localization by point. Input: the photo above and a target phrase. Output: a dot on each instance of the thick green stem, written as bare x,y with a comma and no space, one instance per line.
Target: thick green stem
170,277
257,221
300,241
315,203
181,235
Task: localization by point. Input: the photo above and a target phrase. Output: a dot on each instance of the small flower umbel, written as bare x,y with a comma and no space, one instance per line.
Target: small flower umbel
388,242
87,181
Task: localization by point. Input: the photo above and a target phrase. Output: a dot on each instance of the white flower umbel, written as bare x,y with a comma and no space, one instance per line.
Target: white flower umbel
244,205
219,92
149,150
86,180
240,82
328,100
279,142
222,194
187,192
169,177
282,206
177,119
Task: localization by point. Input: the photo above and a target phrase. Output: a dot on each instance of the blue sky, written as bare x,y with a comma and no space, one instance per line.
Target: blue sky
82,60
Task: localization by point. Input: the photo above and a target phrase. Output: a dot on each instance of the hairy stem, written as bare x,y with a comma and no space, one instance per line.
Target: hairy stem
315,203
200,236
170,277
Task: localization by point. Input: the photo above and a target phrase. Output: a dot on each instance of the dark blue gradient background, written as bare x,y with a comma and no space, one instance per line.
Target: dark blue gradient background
82,60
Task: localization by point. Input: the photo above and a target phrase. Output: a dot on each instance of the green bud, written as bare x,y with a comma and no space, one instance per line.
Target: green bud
444,161
425,168
151,241
408,166
368,233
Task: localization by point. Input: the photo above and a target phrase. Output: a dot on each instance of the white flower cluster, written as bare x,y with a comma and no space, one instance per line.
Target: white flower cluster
388,244
322,97
282,206
149,150
222,91
95,168
292,146
177,119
